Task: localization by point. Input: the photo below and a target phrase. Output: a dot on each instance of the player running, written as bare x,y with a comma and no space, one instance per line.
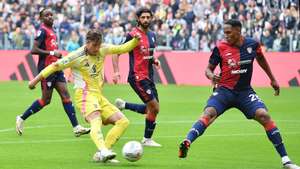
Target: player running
87,65
140,75
45,45
235,56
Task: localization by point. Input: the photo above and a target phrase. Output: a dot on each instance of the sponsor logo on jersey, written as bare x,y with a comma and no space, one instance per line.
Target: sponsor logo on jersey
148,57
241,71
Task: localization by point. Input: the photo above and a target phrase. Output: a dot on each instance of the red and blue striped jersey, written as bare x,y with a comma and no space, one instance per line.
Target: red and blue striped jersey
141,57
236,63
46,38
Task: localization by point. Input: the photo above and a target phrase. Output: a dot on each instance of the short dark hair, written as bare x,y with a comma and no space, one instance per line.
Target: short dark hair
143,10
94,35
233,23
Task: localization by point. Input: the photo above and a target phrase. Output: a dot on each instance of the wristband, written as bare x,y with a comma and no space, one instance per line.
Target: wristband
52,53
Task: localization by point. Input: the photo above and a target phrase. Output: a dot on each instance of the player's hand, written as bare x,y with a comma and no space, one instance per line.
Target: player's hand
138,36
157,64
57,54
276,87
31,85
116,77
215,79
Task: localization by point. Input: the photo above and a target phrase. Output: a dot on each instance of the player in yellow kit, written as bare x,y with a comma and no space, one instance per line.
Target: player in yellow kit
87,65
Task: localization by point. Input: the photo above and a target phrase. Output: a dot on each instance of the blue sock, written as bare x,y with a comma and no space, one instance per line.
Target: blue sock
35,107
139,108
196,131
149,128
275,137
69,109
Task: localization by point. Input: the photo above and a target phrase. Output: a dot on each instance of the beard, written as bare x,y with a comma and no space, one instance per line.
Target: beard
144,25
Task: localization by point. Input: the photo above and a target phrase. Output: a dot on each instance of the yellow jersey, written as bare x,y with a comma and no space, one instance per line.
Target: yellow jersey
88,71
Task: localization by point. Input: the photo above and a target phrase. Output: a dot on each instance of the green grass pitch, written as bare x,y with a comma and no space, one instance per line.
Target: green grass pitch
232,142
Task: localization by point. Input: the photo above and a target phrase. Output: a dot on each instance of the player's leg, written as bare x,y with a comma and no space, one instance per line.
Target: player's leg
47,89
274,136
220,101
61,88
253,107
139,108
103,154
88,103
112,115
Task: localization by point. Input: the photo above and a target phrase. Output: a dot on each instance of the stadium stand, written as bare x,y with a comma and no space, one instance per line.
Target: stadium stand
179,24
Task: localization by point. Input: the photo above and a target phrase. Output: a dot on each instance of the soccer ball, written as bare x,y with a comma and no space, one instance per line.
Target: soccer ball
132,151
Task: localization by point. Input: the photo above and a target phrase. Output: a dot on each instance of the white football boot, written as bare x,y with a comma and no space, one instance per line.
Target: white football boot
120,104
150,143
290,166
79,130
104,155
19,125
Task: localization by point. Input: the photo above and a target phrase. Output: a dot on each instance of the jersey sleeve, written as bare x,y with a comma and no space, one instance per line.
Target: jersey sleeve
63,63
40,36
215,57
119,49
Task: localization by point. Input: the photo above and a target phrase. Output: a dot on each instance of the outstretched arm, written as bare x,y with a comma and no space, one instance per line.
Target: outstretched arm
124,48
265,66
61,64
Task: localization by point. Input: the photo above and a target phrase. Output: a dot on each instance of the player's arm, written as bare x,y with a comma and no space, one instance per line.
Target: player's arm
115,62
40,38
261,60
214,60
156,62
60,64
124,48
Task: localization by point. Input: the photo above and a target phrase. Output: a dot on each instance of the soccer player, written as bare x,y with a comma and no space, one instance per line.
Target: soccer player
45,45
140,75
235,55
87,64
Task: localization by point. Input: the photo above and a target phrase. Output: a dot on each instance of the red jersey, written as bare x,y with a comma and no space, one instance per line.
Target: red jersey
141,57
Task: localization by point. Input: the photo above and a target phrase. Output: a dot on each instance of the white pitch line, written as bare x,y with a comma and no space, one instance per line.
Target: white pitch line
134,138
142,123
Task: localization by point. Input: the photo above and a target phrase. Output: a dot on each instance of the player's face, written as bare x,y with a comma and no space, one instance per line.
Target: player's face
93,47
47,17
144,20
232,34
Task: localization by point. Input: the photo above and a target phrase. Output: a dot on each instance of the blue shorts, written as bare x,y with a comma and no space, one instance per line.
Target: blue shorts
145,89
246,101
49,82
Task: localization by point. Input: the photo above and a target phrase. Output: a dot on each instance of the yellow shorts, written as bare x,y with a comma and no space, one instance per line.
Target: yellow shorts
88,102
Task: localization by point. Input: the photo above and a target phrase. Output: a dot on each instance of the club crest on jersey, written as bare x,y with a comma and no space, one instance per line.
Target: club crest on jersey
38,34
249,50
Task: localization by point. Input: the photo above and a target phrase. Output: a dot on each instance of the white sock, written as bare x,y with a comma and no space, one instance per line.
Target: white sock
285,159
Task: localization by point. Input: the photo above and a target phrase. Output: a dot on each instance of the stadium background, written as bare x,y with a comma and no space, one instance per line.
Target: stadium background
187,30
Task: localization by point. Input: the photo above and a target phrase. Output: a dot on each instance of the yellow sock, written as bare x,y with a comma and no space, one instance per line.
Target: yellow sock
115,133
96,133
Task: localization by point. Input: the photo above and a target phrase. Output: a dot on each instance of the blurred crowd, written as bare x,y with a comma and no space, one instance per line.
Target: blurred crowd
179,24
